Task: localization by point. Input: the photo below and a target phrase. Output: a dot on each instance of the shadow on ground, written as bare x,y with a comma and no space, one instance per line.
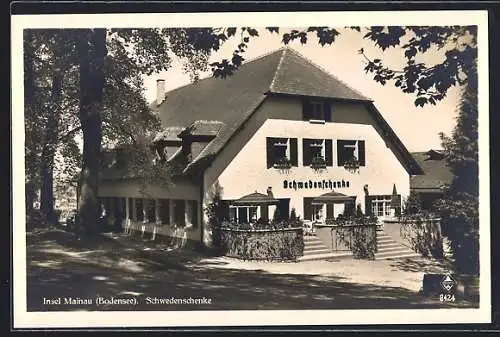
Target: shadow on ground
424,265
60,265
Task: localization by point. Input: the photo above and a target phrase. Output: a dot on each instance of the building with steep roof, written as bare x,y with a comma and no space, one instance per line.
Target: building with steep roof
280,125
436,176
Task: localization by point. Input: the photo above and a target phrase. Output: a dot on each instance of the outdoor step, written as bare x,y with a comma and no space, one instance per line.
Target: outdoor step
392,249
314,244
324,256
390,245
310,238
397,256
316,250
385,240
384,237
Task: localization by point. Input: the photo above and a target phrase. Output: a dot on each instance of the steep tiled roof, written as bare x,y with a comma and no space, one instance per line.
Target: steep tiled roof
232,100
202,128
169,134
220,107
436,173
296,75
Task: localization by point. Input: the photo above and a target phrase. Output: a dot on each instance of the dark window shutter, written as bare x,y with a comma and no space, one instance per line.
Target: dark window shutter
306,110
361,152
368,205
340,152
328,152
270,151
306,152
328,111
329,211
293,152
307,208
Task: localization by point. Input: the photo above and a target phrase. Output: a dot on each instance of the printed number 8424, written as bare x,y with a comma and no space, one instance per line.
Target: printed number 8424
447,298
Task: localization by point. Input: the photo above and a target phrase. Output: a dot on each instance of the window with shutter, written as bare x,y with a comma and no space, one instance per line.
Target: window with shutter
317,148
350,149
281,152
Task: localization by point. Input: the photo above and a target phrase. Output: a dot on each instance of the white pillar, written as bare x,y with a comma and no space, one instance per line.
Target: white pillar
188,209
157,220
157,211
171,211
144,216
127,209
127,216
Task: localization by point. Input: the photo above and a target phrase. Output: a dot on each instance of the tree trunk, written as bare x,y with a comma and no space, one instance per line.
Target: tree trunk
92,51
29,101
51,136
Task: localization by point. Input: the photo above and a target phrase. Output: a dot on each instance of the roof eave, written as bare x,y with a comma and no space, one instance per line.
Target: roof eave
338,99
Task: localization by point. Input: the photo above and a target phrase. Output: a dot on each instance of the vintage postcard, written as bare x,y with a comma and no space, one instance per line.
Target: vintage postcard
250,169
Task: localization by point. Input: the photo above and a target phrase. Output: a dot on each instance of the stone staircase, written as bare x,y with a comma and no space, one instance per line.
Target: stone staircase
390,249
315,249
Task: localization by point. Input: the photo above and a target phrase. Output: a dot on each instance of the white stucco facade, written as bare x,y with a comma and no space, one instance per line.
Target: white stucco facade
241,167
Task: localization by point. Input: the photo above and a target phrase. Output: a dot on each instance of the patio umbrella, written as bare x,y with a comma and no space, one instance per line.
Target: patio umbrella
254,199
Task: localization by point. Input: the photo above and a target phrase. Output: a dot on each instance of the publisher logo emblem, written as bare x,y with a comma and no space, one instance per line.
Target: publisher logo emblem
447,283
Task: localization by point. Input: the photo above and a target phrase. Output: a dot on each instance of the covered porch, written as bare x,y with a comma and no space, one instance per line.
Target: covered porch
252,208
331,205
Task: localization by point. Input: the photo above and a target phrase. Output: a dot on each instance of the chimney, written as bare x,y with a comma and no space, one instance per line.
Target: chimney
160,91
270,192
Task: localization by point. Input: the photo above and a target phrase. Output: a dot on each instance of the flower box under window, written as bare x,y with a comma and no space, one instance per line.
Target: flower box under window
318,163
283,164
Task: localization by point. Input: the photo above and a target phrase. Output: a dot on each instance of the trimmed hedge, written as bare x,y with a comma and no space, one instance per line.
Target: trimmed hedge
285,244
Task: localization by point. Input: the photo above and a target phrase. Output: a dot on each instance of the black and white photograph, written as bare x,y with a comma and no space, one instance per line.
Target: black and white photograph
250,169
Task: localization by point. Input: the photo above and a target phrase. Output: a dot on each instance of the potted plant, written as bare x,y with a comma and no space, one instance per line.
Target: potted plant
318,163
352,165
283,164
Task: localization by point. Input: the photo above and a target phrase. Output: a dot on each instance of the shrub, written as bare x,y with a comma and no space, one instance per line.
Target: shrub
270,245
358,233
424,235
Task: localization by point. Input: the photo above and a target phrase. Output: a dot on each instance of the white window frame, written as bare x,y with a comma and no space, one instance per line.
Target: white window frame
238,209
287,150
317,112
382,203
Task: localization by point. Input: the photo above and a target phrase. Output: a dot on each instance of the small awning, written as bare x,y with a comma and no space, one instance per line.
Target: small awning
334,197
255,199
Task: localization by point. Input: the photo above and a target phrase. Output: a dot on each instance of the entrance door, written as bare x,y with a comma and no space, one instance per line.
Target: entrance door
284,209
